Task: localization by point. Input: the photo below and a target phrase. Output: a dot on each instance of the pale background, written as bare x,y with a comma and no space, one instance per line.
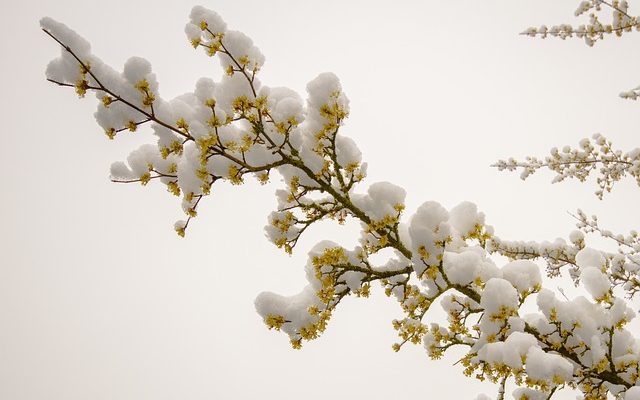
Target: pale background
99,299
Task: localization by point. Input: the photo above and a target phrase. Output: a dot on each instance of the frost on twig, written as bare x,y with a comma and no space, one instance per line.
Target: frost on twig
618,23
632,94
236,127
594,155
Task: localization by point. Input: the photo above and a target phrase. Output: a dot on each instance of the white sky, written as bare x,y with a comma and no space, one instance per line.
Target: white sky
99,299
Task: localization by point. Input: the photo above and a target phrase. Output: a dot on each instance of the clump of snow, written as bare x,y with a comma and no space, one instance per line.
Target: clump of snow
461,268
428,229
199,14
511,352
325,89
548,367
232,87
499,294
244,52
589,257
284,104
465,217
120,171
67,36
381,201
524,275
295,310
576,236
347,151
596,282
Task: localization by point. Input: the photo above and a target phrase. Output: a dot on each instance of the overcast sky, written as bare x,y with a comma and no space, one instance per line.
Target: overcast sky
100,299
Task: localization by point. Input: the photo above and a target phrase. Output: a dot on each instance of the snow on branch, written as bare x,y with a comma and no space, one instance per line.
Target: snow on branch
595,155
595,29
236,127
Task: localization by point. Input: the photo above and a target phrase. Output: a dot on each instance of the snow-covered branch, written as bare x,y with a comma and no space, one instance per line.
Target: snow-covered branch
236,127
